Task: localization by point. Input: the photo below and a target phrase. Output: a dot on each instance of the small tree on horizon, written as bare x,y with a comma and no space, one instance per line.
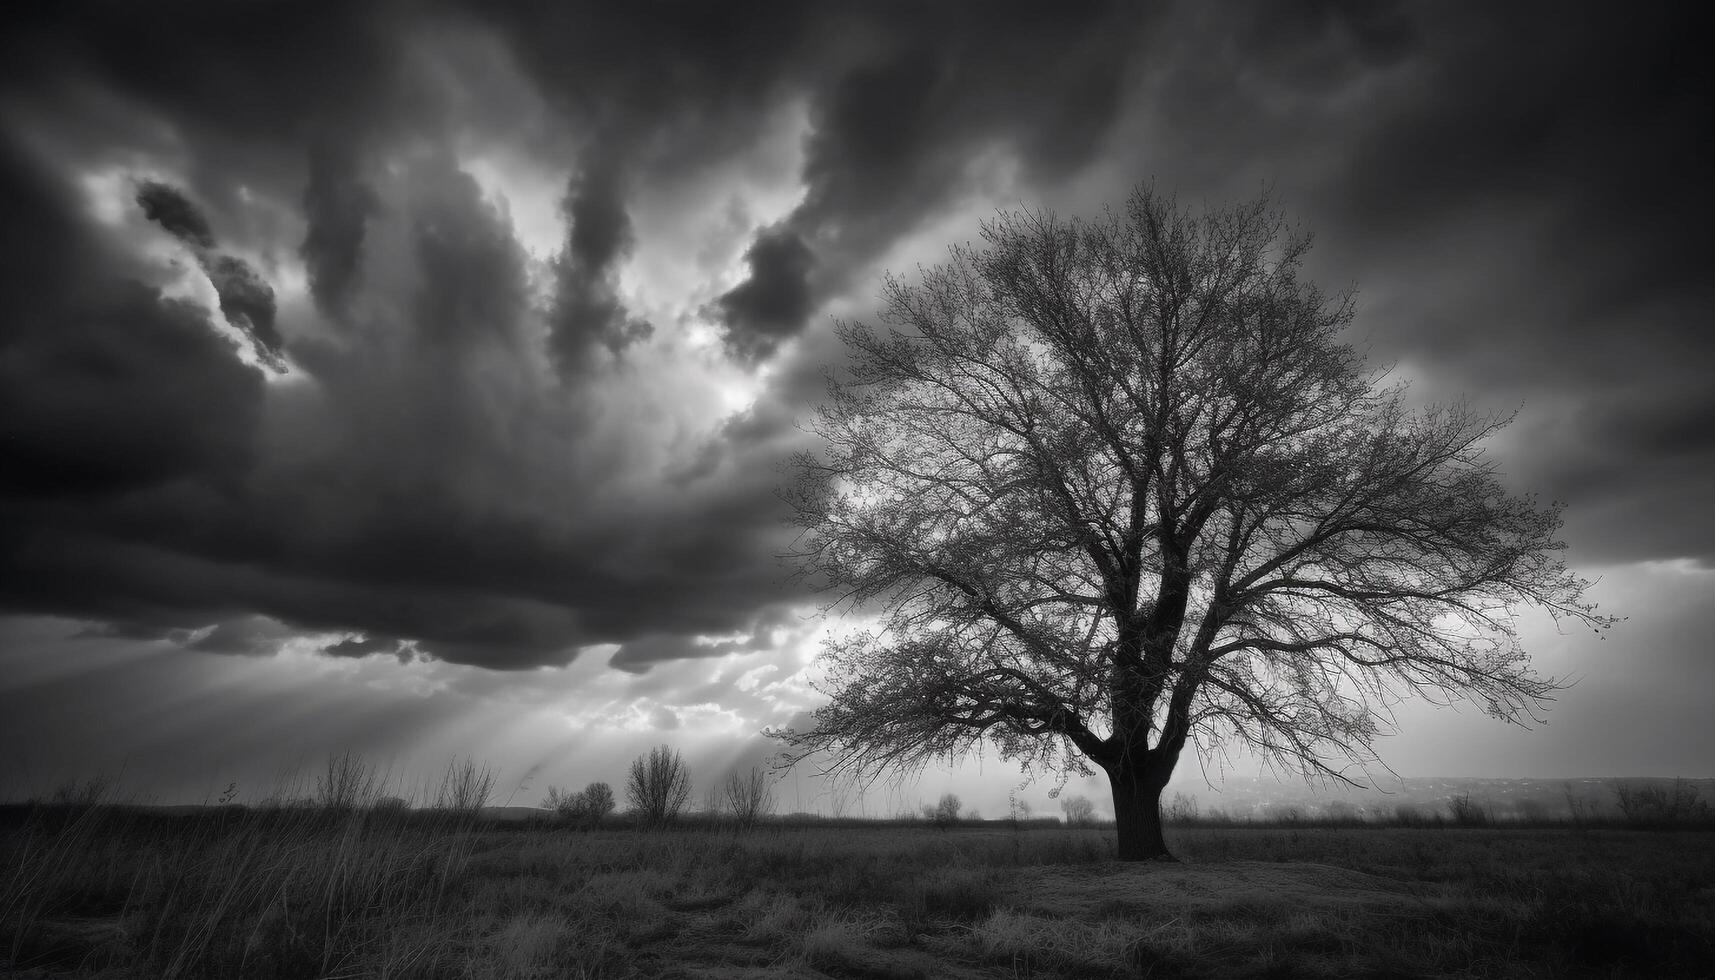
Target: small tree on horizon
1080,812
749,795
658,786
944,812
1120,486
597,803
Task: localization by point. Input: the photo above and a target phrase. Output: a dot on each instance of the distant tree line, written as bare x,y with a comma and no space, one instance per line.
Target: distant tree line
657,790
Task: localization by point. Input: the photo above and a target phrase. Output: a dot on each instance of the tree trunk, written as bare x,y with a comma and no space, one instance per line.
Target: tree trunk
1137,810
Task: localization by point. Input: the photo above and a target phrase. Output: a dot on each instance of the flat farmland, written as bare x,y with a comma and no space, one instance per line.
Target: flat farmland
113,893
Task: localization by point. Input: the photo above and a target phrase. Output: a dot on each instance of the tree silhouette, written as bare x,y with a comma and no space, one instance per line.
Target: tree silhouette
658,785
1116,486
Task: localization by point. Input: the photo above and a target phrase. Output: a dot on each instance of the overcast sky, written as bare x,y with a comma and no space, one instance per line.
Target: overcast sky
415,378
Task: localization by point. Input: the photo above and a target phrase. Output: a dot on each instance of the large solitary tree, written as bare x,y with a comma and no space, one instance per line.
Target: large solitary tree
1121,485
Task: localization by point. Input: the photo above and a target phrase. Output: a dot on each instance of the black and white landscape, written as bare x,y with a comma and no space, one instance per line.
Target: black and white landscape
538,489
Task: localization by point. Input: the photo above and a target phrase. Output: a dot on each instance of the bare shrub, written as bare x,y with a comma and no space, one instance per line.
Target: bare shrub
658,786
749,796
1467,812
1531,811
598,803
586,809
1580,808
1340,811
347,783
1080,812
1406,815
90,792
945,812
1676,803
1183,809
563,804
465,787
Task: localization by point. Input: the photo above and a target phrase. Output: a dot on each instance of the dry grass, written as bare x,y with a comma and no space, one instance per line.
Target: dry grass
94,891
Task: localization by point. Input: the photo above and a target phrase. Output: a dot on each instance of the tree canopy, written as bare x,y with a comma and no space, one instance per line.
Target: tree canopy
1118,485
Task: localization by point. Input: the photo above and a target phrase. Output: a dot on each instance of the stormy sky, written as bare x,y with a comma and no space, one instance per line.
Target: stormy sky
415,377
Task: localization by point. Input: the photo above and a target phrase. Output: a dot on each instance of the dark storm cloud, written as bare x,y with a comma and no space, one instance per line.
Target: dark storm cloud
246,636
587,309
1519,194
639,656
338,204
173,211
1519,216
428,482
105,388
471,288
1567,180
355,647
774,302
897,128
253,74
246,300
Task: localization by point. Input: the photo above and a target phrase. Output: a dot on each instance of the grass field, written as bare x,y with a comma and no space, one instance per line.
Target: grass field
113,892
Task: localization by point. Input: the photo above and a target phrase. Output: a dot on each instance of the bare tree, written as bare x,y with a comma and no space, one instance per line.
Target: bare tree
659,785
749,796
1117,486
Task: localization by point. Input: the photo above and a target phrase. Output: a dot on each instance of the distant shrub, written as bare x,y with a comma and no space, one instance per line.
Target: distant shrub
658,786
598,803
1080,812
749,796
1341,812
1467,812
1406,815
465,787
944,813
587,809
347,782
1676,803
87,793
1582,809
1532,811
564,804
1182,809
